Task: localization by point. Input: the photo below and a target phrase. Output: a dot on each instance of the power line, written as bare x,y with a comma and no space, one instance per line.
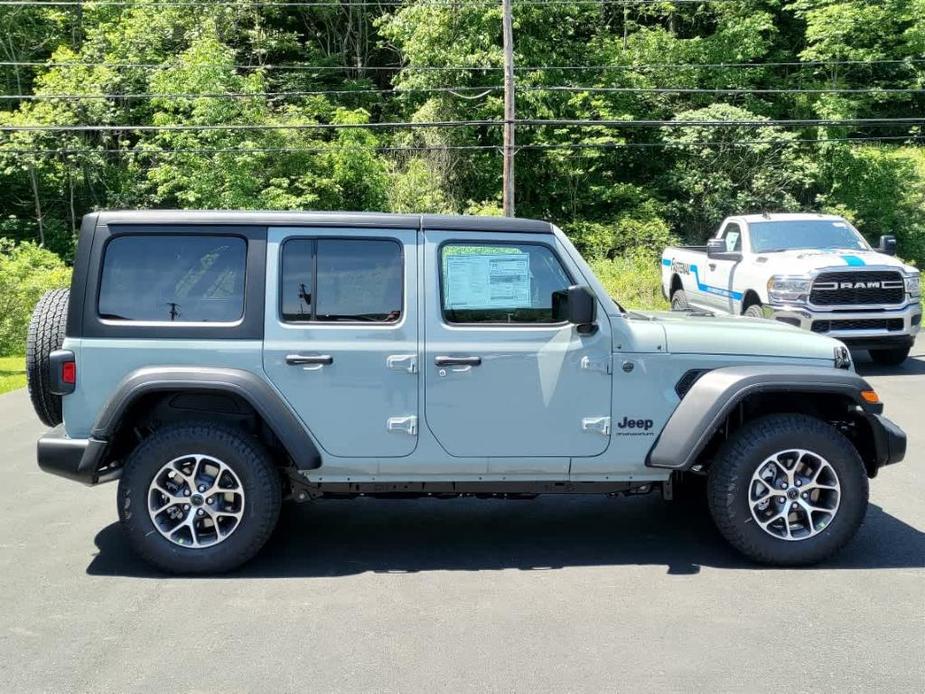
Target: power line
530,122
452,90
908,62
441,148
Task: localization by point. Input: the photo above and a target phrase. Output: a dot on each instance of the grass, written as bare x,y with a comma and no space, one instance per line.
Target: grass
633,280
12,373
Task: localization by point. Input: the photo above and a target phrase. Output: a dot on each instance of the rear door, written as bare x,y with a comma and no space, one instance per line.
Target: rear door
502,378
341,335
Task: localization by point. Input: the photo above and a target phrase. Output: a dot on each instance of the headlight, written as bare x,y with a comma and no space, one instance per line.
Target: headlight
788,288
842,357
914,284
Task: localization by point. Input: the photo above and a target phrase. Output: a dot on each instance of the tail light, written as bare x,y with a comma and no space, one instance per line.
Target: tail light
62,369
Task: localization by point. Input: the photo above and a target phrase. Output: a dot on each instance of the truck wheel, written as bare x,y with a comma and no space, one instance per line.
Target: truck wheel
787,490
46,334
198,498
754,311
679,301
890,357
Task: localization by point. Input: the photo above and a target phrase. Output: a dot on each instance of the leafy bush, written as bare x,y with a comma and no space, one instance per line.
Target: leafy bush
26,272
633,279
882,191
640,231
713,176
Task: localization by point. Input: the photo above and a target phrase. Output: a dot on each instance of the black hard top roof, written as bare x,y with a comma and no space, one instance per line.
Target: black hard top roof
353,219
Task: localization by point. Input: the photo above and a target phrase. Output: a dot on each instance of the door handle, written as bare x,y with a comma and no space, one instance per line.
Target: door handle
712,266
322,359
457,361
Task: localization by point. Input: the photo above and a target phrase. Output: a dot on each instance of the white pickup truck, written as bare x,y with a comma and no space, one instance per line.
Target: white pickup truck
812,271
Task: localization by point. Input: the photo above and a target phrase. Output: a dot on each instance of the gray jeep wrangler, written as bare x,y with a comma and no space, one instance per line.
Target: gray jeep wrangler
217,363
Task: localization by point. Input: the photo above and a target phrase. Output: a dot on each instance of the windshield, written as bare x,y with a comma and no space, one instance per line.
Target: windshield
768,237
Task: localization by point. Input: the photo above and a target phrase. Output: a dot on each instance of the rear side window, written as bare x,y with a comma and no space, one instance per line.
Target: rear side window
177,279
341,280
500,283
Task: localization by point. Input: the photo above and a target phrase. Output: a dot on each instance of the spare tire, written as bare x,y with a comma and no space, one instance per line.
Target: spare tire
46,334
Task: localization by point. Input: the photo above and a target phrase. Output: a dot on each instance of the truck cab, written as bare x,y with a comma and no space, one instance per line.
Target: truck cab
218,363
812,271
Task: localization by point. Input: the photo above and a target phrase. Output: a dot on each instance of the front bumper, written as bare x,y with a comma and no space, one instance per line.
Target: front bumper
889,441
75,459
856,328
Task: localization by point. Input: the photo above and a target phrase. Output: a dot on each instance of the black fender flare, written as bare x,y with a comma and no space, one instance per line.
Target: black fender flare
253,389
714,395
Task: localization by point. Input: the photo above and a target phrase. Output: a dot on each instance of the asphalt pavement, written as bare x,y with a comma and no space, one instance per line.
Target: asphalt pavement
556,594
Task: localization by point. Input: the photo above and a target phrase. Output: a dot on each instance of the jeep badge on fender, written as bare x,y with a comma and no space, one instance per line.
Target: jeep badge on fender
628,423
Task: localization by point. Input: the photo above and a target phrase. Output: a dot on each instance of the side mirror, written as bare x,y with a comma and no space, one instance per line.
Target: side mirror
716,250
576,305
887,245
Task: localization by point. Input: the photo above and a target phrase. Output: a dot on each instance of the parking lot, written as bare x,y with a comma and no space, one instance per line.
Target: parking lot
573,593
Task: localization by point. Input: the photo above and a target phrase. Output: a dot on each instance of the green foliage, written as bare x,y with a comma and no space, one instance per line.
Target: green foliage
621,200
416,188
714,176
634,280
639,227
12,373
882,191
26,273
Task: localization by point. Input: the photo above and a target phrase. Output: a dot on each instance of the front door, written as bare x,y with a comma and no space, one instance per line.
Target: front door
341,335
501,376
718,275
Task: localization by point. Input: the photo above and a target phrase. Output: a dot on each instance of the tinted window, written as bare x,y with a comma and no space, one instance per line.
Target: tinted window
298,271
185,279
500,283
341,280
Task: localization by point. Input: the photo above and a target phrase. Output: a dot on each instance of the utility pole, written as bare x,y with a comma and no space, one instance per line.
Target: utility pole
508,40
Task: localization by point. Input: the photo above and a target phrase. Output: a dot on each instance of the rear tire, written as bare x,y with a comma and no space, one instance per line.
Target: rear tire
890,357
46,334
199,498
776,535
679,301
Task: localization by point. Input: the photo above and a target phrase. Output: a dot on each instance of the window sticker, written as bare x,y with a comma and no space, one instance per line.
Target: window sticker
488,281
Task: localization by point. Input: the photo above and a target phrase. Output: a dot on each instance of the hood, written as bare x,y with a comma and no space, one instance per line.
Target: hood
802,262
704,334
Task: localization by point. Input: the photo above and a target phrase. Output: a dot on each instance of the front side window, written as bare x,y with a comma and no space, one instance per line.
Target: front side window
733,238
175,279
499,283
341,280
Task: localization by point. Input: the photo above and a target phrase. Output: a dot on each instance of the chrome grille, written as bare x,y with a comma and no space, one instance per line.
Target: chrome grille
857,288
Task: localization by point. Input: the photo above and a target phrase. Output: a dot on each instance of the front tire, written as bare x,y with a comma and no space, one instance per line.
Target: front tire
788,490
754,311
198,498
890,357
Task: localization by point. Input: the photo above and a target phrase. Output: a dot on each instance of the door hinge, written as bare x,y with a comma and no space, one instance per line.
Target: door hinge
408,425
403,362
599,424
602,365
